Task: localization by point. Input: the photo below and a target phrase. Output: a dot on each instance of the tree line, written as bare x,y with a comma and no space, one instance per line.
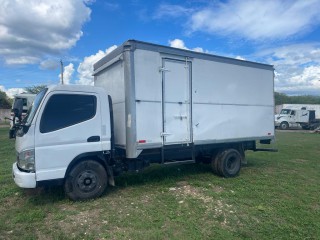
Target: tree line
281,98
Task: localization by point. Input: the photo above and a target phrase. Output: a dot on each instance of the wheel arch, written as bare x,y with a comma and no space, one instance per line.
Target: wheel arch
96,156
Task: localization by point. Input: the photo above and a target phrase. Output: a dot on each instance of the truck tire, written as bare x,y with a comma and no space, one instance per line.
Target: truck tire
86,180
284,125
214,162
229,163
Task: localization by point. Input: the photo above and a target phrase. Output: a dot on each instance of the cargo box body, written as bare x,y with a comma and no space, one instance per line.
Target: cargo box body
164,96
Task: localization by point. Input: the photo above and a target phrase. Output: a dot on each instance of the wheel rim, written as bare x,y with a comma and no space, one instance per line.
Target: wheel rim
232,163
87,181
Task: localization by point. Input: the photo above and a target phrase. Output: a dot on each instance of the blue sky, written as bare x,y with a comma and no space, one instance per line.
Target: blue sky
36,34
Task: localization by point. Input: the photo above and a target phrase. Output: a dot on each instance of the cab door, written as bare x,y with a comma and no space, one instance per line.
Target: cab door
68,124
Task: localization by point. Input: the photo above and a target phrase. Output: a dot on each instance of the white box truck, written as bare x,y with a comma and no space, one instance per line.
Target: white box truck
315,107
292,117
150,104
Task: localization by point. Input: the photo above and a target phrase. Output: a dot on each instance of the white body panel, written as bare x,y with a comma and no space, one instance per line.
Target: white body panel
178,99
115,87
231,101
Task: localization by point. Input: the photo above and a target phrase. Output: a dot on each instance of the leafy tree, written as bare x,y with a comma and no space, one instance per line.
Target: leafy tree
35,89
280,98
5,102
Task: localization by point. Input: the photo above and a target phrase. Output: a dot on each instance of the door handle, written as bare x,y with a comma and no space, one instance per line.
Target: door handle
93,139
181,116
163,134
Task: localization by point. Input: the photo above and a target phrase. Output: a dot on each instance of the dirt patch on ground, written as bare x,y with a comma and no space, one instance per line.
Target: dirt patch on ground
184,190
217,189
224,213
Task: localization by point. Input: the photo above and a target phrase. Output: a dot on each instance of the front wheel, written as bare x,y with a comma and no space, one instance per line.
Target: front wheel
86,180
284,126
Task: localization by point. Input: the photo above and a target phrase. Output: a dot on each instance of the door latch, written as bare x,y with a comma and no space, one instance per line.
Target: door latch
163,134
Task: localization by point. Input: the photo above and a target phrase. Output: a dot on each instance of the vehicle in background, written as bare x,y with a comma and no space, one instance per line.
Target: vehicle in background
150,104
293,118
315,107
21,104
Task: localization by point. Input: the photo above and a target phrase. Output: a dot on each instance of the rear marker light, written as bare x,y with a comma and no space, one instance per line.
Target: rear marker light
142,141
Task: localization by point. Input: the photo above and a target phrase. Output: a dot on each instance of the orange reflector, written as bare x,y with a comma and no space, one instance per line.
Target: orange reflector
142,141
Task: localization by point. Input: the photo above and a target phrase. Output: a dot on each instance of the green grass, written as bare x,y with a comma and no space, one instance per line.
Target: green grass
276,196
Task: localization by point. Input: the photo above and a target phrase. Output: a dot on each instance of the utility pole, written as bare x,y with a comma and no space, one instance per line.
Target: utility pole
61,64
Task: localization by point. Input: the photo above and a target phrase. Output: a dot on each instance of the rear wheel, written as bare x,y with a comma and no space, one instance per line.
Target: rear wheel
214,162
227,163
86,180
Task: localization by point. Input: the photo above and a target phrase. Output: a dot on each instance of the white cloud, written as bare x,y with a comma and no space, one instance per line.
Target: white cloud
198,49
169,10
240,58
297,67
295,54
85,69
30,30
307,82
256,20
178,43
67,74
11,91
49,64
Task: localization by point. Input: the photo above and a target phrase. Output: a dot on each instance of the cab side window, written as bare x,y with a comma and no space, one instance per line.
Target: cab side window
64,110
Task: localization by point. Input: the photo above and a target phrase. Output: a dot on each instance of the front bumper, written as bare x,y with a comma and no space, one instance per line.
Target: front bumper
23,179
277,124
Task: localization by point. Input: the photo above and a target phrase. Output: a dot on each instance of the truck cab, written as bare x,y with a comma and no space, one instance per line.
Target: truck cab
66,126
292,118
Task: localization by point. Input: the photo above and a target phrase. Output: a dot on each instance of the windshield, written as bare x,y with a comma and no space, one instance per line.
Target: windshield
285,111
35,105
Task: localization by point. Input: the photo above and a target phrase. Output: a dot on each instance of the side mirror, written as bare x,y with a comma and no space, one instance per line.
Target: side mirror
18,107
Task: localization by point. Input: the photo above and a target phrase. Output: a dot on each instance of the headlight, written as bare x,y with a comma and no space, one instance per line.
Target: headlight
26,160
